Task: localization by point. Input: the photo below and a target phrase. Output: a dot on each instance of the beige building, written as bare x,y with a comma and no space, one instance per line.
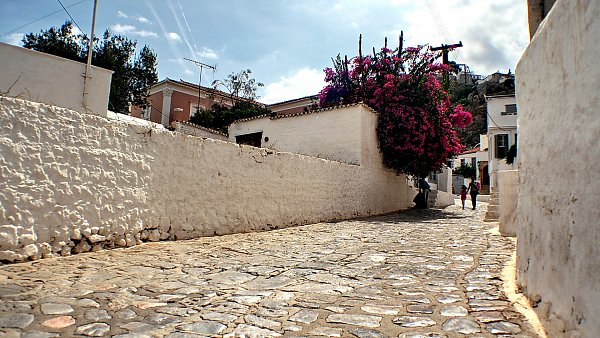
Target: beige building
295,106
172,100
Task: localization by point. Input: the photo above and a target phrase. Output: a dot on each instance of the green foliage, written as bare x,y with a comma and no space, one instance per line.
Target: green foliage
132,76
219,116
472,97
242,90
57,41
466,170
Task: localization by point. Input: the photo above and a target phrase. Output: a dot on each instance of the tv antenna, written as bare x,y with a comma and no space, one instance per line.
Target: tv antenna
202,66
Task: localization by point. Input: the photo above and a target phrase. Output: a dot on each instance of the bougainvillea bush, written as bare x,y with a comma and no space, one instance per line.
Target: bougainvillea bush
416,119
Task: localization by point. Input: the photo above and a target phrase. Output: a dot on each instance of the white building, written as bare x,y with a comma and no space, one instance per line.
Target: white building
502,132
344,134
41,77
476,157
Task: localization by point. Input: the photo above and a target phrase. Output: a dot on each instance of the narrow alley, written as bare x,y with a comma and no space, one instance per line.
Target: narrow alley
420,273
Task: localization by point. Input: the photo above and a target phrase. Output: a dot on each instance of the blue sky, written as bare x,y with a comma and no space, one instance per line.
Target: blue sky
285,43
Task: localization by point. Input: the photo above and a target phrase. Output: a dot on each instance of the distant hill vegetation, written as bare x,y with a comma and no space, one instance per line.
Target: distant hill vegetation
472,96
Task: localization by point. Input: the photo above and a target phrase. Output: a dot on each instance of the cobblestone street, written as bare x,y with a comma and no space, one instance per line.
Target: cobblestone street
420,273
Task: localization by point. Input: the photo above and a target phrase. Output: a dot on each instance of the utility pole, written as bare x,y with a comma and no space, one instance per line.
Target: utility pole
88,65
445,48
202,66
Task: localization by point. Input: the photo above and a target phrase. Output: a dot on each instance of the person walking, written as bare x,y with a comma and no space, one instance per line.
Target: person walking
425,188
473,190
463,195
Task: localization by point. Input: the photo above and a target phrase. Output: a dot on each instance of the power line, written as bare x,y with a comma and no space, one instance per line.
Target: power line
41,18
69,14
441,26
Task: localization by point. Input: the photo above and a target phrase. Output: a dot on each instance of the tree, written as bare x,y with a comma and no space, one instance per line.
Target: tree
57,41
415,117
240,85
132,76
144,76
242,90
219,116
466,170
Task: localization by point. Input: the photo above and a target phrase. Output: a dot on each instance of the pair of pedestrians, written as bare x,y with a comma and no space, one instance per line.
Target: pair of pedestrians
473,189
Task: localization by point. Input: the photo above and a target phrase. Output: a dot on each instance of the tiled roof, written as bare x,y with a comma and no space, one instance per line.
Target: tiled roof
507,93
275,116
208,90
471,151
293,100
201,127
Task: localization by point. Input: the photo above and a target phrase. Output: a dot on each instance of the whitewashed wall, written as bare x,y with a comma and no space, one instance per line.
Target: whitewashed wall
334,134
508,182
50,79
74,182
499,124
558,81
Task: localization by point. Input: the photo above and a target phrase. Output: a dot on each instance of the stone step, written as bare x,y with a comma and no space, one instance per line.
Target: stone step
491,216
494,201
493,208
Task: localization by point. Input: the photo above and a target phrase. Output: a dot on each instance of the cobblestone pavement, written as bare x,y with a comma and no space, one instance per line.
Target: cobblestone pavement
421,273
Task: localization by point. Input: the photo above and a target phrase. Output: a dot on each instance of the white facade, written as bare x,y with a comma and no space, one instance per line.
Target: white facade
476,157
345,134
45,78
558,214
502,133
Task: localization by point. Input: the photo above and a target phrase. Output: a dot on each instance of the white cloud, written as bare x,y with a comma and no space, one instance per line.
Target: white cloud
121,14
208,53
494,34
14,39
146,33
143,19
173,36
304,82
131,30
122,29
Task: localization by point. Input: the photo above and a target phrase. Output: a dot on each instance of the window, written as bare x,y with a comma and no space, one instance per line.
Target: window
501,145
509,109
253,139
474,162
146,112
462,161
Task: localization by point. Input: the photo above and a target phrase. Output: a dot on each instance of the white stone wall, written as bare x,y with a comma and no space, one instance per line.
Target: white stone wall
50,79
558,81
331,134
74,182
508,182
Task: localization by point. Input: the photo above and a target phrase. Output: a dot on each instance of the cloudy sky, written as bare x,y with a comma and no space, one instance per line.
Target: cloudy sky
285,43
